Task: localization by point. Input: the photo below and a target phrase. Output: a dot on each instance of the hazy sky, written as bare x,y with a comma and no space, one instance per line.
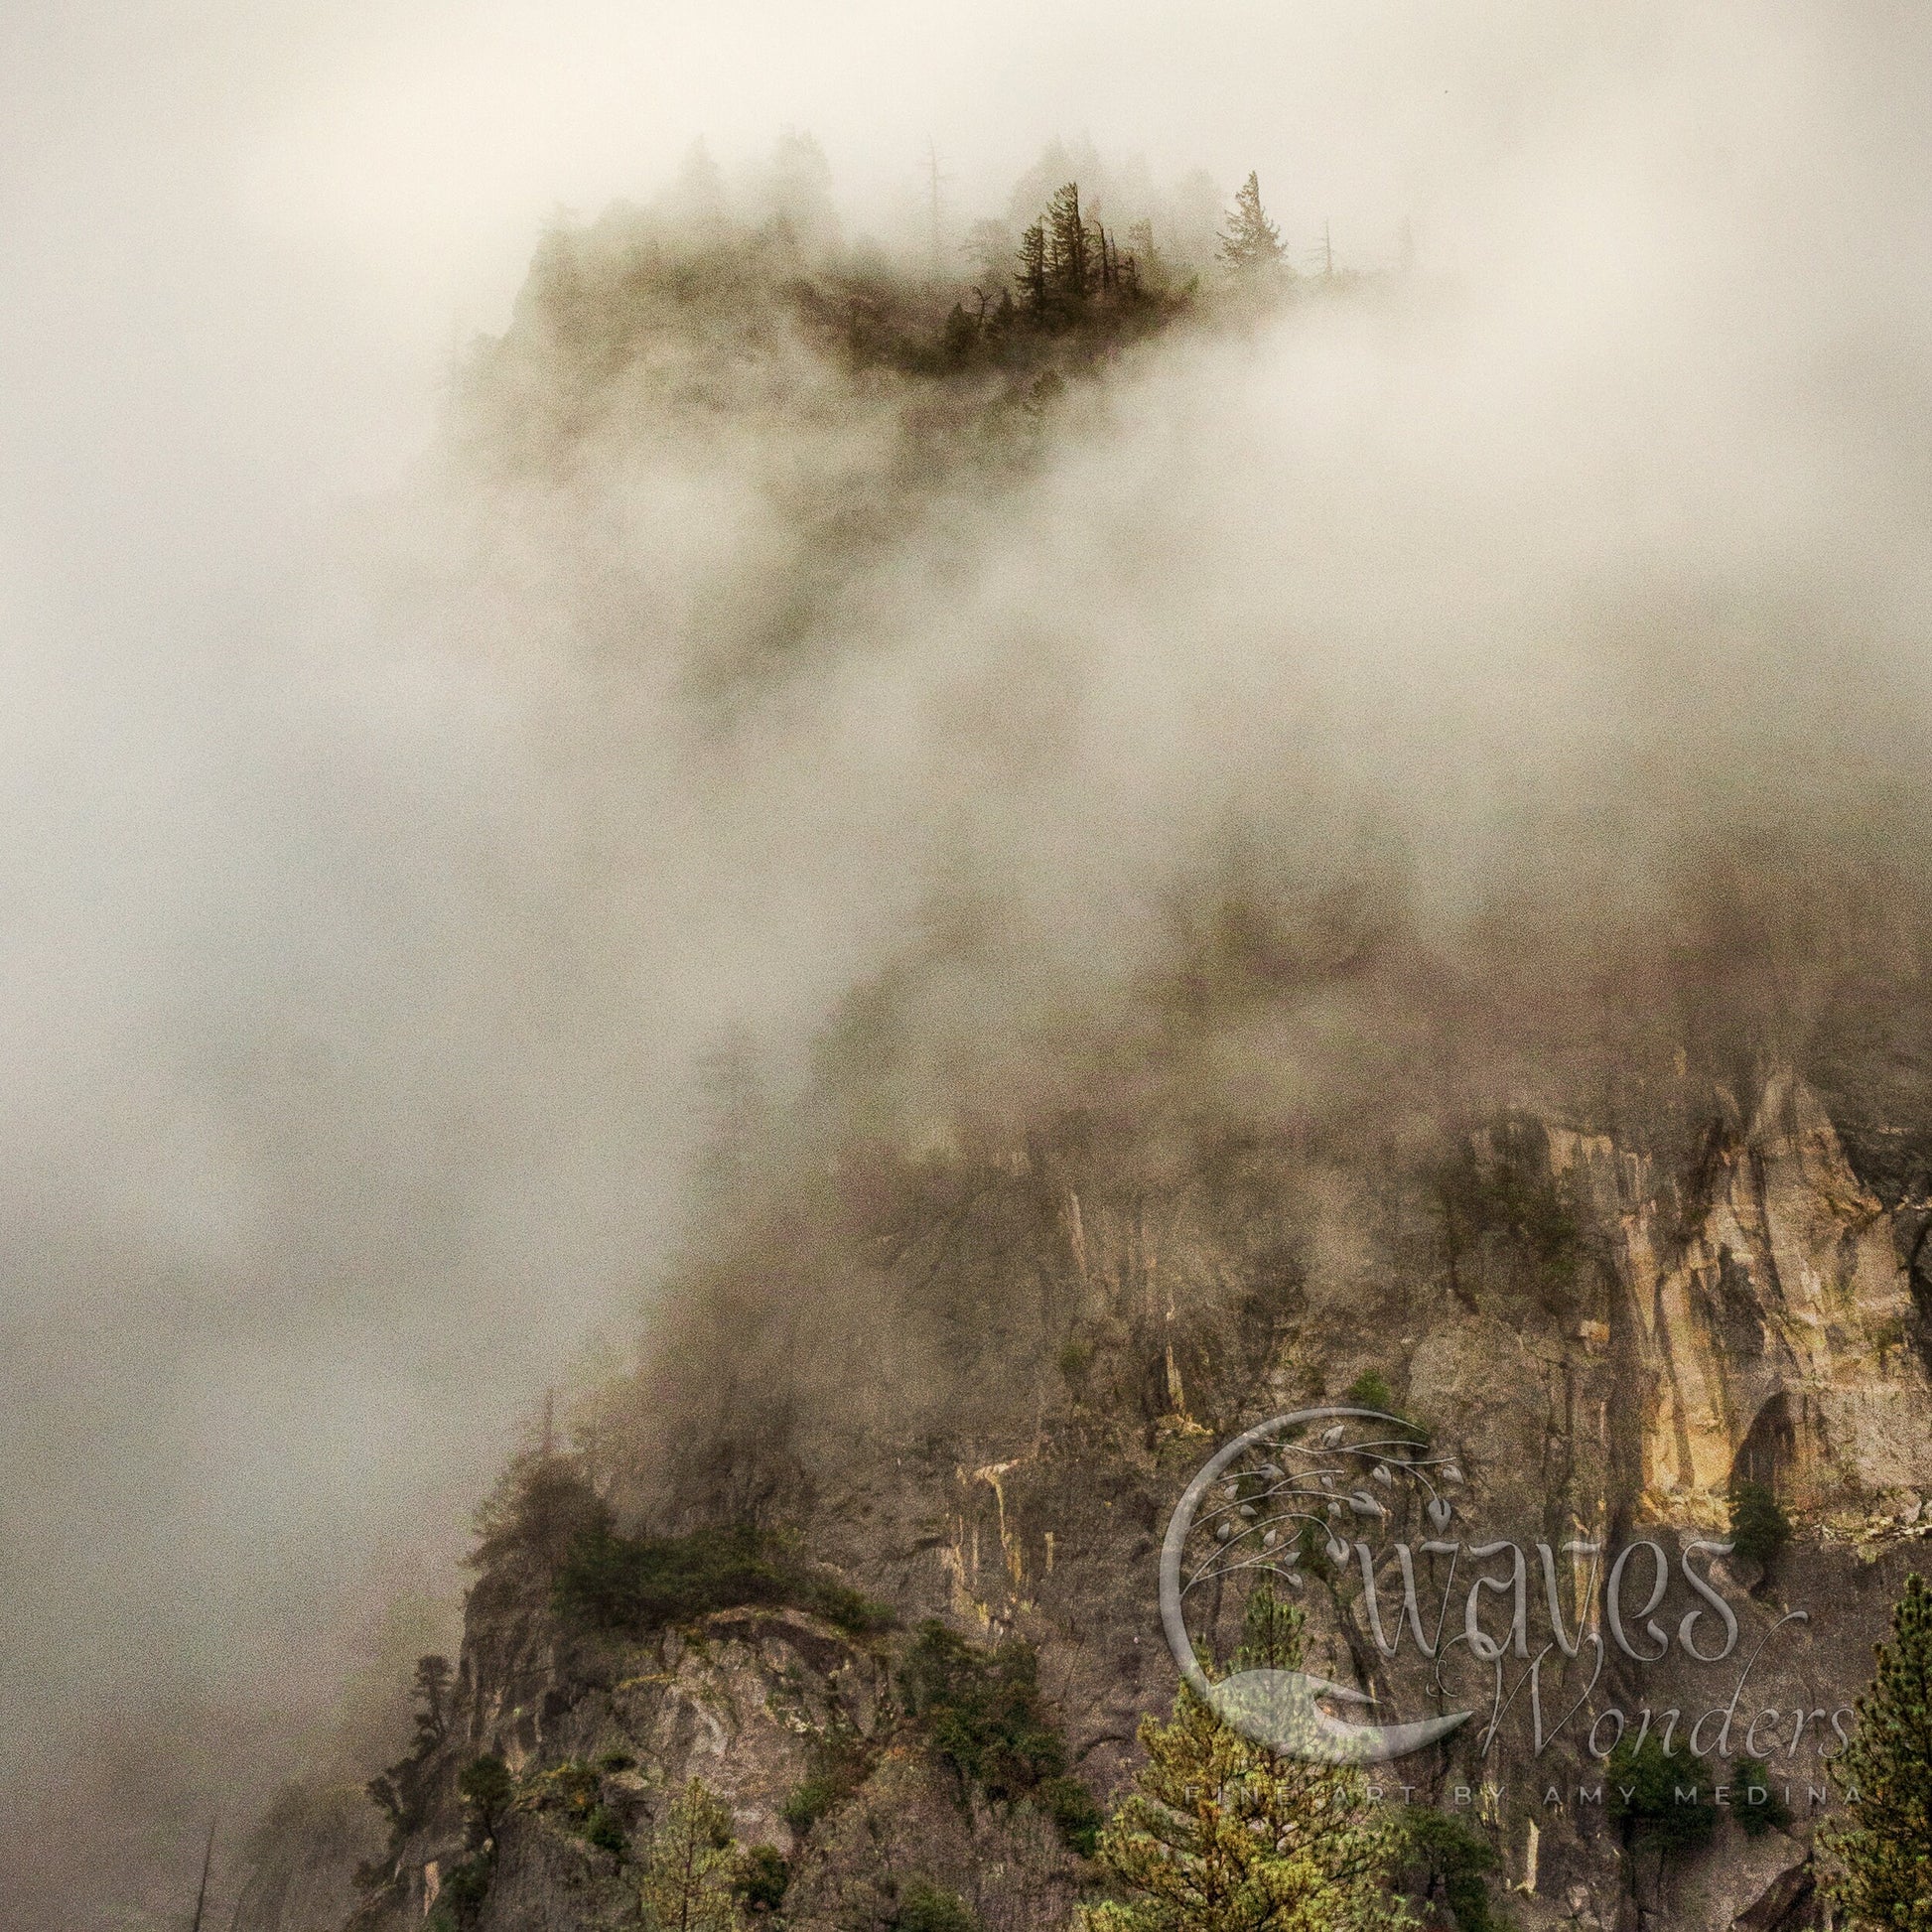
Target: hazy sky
240,244
340,1102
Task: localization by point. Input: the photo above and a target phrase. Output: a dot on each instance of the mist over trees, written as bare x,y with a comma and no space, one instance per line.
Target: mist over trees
1251,245
1217,742
865,399
1003,316
833,430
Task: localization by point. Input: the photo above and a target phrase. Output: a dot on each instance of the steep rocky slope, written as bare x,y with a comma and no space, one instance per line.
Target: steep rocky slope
1602,1335
1582,1123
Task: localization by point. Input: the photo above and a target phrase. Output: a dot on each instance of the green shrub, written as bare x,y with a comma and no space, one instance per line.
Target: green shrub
573,1789
981,1711
648,1582
1760,1528
1074,1360
460,1900
485,1787
1512,1192
1369,1390
1312,1546
817,1797
839,1768
1075,1815
1439,1848
570,1788
1772,1814
926,1907
843,1608
604,1829
763,1878
1644,1781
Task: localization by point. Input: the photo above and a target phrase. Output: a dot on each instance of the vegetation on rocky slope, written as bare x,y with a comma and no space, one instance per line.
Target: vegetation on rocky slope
1760,1528
642,1583
1880,1871
981,1711
1222,1835
1296,1147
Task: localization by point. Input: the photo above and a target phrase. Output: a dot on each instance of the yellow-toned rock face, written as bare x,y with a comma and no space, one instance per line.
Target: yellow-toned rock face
1774,1327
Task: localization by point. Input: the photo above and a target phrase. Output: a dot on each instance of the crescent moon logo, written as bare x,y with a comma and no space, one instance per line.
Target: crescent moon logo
1281,1708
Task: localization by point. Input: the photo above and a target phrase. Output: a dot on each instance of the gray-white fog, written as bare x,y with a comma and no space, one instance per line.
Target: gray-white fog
374,886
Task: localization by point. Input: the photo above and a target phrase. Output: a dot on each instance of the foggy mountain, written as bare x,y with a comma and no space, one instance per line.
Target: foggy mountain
533,852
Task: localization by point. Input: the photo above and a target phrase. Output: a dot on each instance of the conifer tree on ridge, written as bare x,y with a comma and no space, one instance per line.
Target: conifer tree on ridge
1882,1849
1251,245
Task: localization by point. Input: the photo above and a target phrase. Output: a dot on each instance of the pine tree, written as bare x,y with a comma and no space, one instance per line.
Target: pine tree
690,1878
1760,1528
1032,275
1109,256
1069,257
487,1788
960,336
800,193
1883,1850
433,1675
989,247
1251,245
1220,1835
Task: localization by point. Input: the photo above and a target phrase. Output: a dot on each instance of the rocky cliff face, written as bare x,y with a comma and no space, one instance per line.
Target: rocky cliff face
1775,1331
1604,1337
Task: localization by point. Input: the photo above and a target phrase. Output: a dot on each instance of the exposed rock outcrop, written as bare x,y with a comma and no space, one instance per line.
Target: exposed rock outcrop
1776,1321
1604,1337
